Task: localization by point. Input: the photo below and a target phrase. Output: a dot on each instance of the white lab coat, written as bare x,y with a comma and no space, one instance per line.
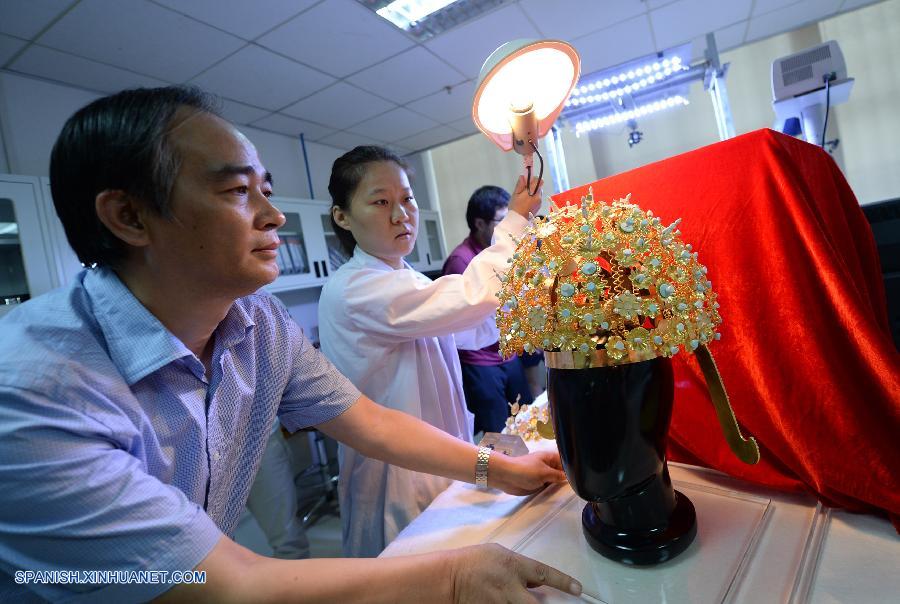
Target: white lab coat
392,333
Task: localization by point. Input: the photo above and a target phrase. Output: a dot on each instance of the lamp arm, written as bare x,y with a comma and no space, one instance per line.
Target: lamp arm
529,163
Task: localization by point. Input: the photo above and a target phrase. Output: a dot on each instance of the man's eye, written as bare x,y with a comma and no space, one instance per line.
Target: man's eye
381,202
267,193
240,190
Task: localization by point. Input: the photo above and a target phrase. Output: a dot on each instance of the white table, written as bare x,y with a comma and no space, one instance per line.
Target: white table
753,545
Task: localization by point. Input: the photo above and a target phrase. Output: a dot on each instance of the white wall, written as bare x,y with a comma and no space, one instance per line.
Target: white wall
870,121
464,165
33,111
681,129
868,126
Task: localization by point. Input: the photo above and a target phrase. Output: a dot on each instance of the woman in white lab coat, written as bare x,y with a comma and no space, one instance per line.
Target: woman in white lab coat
390,329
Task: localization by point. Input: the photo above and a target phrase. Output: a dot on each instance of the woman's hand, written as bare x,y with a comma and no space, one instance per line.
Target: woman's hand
525,474
491,573
522,202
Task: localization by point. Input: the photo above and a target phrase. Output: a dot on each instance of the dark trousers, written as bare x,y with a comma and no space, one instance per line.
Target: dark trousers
490,389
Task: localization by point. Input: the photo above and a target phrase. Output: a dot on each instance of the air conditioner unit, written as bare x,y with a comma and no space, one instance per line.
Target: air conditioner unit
805,71
806,84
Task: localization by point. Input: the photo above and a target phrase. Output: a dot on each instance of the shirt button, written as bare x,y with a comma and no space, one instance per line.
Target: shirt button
216,456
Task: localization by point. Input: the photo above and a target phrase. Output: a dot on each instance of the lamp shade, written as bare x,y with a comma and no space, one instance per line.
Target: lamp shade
521,91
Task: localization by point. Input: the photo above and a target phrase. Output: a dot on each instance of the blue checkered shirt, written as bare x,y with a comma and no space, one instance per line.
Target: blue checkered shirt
117,453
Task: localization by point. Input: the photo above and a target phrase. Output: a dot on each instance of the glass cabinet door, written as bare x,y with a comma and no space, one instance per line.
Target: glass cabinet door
434,241
13,282
336,254
293,254
413,257
430,232
25,269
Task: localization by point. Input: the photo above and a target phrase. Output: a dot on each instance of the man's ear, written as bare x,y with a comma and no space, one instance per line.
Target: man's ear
121,214
340,217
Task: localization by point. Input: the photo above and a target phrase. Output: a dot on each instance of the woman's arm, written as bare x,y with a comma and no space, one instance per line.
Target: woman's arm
399,305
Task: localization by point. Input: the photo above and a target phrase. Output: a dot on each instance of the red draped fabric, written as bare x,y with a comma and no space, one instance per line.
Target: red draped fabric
806,354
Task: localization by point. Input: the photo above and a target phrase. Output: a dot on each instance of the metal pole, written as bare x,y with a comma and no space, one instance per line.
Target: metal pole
714,82
557,160
312,195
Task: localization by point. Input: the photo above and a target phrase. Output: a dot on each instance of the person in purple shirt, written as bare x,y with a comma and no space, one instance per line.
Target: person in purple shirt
136,403
490,382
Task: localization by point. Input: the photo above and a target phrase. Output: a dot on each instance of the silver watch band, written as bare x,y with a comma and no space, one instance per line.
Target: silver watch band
481,466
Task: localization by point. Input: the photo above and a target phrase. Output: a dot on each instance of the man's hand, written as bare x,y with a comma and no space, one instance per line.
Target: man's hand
491,573
525,474
523,203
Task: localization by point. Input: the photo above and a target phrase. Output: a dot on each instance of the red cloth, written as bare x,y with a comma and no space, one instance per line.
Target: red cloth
806,354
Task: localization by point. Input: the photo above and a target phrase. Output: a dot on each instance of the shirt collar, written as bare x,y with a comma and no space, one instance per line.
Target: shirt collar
476,247
361,258
138,342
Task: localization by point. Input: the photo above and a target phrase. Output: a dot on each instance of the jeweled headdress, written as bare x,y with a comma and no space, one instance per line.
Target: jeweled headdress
607,278
601,284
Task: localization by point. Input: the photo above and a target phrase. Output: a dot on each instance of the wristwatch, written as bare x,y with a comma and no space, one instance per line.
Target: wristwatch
481,466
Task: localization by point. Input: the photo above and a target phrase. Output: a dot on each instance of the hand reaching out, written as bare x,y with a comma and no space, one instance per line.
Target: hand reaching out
522,202
525,474
491,573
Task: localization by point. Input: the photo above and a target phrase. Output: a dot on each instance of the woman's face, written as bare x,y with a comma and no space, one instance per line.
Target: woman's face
383,215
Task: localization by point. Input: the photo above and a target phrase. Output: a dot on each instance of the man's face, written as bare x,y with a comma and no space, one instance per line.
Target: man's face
485,228
221,236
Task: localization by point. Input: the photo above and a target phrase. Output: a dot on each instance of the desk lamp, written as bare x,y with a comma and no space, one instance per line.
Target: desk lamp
522,88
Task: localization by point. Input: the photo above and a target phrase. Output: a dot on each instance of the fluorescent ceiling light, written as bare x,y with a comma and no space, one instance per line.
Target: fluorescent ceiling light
9,228
404,13
424,19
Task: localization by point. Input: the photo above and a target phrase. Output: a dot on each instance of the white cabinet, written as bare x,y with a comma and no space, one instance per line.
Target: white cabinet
429,253
28,266
302,253
35,256
310,250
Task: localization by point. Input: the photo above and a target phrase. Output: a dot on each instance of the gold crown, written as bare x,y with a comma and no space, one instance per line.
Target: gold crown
605,281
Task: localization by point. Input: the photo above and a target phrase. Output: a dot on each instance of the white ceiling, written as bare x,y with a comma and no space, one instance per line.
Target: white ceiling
337,72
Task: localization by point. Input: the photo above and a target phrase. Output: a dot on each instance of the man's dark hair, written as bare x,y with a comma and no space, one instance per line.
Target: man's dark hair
346,173
484,203
118,142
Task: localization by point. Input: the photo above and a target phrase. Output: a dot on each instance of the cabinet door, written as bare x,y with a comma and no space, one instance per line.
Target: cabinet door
416,259
336,254
431,235
298,255
25,263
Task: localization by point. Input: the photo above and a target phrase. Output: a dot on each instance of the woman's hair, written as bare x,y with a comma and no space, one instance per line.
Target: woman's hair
346,173
117,142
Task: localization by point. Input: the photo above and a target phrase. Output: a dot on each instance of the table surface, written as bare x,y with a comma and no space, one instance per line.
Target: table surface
783,547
